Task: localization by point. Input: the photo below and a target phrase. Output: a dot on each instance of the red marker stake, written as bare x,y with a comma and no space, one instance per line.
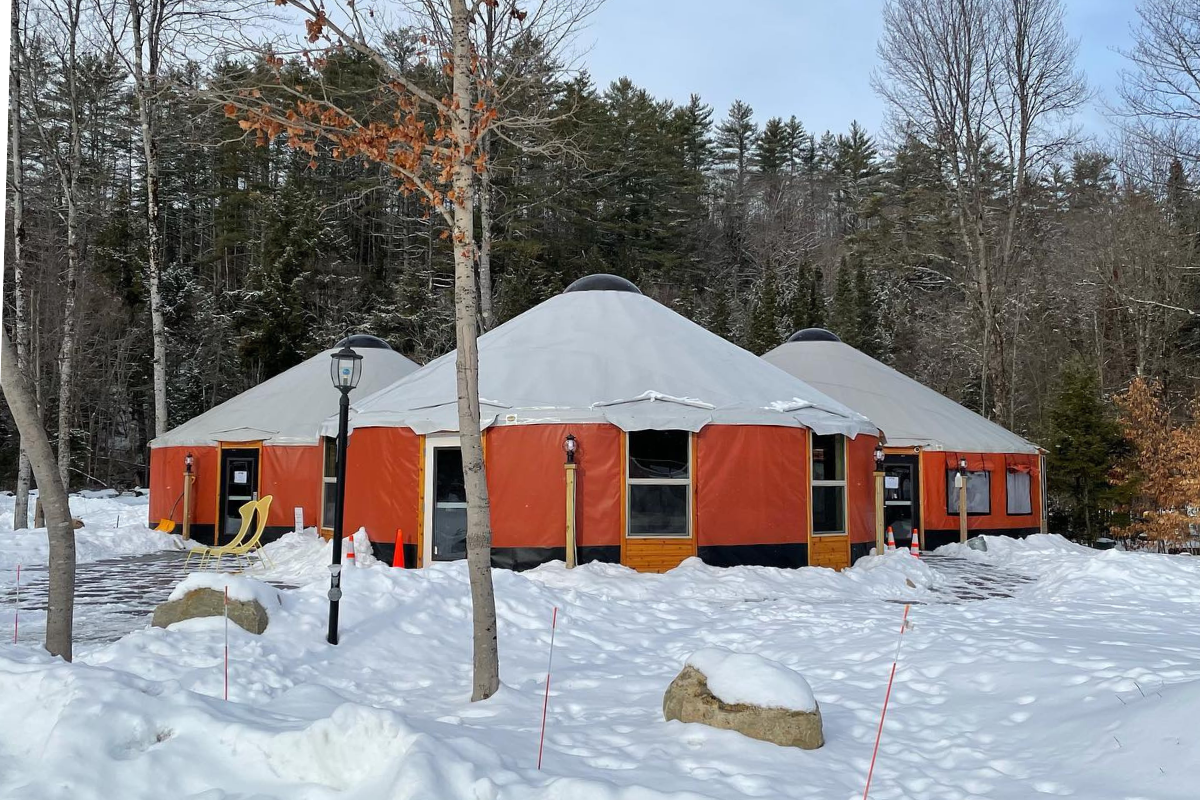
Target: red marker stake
887,696
17,613
226,642
546,700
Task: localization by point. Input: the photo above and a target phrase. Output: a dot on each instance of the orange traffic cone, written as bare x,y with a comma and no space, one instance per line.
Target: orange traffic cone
891,540
349,543
915,547
398,557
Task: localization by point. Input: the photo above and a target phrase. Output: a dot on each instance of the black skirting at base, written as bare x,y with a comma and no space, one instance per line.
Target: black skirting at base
933,539
860,549
203,533
514,558
787,556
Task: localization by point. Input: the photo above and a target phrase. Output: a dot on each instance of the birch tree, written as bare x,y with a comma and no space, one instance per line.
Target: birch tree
16,191
60,32
439,162
990,83
53,495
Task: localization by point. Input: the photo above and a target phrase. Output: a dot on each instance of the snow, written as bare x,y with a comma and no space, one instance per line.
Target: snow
1084,683
113,525
750,679
239,586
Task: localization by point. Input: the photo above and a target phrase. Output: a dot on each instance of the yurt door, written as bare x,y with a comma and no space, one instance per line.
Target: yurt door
445,501
901,496
239,485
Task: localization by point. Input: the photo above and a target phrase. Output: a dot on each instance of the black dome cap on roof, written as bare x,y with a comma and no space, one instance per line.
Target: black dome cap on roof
813,335
602,282
364,341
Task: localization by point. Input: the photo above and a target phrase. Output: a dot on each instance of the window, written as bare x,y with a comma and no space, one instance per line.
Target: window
1018,486
659,472
829,484
979,492
329,483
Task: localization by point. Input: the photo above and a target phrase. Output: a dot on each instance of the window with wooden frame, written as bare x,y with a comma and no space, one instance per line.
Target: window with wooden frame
1019,491
329,483
979,492
828,484
659,483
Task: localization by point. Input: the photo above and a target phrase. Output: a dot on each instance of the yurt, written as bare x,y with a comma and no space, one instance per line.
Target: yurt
680,444
265,440
930,441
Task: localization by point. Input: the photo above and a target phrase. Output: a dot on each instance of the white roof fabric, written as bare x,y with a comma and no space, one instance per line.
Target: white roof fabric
909,413
607,356
289,408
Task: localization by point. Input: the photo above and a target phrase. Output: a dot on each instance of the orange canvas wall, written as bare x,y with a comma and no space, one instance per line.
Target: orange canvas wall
860,487
751,485
292,475
166,484
933,490
382,483
527,484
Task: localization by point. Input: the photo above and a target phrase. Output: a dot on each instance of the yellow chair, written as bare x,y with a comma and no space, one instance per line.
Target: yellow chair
247,514
254,544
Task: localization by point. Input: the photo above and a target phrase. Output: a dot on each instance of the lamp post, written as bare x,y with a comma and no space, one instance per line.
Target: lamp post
345,370
570,446
879,506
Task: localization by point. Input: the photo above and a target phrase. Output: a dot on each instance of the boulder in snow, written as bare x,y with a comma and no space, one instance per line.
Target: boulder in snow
203,595
977,543
746,693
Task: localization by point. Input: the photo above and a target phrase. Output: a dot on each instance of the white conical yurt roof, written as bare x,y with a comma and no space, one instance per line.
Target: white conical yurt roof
608,356
909,413
289,408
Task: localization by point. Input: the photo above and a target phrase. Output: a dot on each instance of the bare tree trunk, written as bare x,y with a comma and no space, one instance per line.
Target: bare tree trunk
146,35
479,525
20,307
52,497
485,244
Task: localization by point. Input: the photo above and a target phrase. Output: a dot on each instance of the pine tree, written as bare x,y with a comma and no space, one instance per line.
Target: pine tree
1084,445
763,331
847,317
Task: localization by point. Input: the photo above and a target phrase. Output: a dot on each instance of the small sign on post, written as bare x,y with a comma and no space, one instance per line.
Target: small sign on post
299,512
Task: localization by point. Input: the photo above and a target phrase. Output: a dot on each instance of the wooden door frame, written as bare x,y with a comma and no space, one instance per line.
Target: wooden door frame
845,497
429,443
693,517
219,518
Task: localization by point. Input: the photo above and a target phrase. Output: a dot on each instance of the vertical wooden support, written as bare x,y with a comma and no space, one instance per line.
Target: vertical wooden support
571,552
962,508
188,479
879,543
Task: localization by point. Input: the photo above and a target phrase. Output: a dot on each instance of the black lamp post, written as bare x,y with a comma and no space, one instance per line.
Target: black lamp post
569,447
345,369
879,456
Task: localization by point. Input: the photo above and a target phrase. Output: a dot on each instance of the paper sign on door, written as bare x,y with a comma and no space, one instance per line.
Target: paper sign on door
241,476
891,482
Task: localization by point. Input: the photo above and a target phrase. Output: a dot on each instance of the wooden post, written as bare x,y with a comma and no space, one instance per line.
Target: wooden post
879,543
188,478
962,507
570,467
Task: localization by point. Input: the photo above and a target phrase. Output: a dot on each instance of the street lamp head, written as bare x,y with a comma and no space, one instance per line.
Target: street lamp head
879,458
187,463
962,466
345,369
569,447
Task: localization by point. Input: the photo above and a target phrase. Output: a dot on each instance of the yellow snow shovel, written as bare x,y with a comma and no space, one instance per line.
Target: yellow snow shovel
167,525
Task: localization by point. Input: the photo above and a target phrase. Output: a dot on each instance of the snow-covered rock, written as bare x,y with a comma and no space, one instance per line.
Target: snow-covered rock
746,693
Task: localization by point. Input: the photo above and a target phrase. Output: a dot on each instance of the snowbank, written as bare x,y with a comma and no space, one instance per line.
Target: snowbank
113,526
752,680
1086,683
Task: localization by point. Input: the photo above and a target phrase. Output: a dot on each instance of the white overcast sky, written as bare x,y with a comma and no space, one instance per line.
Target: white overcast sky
811,58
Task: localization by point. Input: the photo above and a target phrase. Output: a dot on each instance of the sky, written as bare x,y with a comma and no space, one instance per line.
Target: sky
811,58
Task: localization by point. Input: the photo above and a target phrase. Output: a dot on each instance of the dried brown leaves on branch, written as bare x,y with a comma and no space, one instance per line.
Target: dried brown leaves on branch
1165,466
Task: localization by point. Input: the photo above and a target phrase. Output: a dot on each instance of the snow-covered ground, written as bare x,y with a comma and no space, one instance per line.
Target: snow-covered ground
113,525
1085,683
